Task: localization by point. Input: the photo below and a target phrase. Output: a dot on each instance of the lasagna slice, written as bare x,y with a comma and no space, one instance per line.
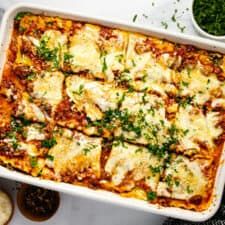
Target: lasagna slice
98,51
92,98
44,52
193,83
200,131
28,109
21,146
186,179
130,166
144,70
76,157
143,119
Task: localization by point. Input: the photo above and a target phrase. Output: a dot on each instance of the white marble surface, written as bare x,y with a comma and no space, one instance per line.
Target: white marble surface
78,211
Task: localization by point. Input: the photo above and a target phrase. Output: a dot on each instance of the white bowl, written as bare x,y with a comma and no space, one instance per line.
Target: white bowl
201,31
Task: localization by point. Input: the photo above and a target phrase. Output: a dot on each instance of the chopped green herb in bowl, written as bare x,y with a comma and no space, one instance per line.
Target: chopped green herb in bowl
208,17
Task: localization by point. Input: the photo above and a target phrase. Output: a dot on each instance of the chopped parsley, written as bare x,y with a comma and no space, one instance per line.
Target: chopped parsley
173,17
113,115
180,27
189,190
164,24
88,148
185,84
48,54
30,76
177,183
133,63
80,90
185,101
210,16
169,180
67,57
134,18
13,139
120,58
161,150
151,195
48,143
156,169
104,65
33,161
50,157
20,15
145,16
21,29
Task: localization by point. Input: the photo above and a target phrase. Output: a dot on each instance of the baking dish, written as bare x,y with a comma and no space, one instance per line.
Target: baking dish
103,195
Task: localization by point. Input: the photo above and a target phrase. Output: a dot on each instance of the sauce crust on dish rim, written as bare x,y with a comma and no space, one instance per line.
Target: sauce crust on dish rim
110,109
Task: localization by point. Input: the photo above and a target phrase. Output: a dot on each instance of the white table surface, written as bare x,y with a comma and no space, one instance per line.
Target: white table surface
75,210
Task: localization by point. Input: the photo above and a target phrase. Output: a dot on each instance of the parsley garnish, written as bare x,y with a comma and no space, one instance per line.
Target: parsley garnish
88,148
20,15
185,101
156,169
33,161
48,54
189,190
48,143
50,157
164,24
30,76
134,18
80,90
151,195
67,57
185,84
210,15
169,180
104,65
182,28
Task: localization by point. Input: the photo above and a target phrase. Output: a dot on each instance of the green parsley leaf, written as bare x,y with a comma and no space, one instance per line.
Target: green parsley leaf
20,15
67,57
151,196
33,161
48,143
104,65
134,18
164,24
50,157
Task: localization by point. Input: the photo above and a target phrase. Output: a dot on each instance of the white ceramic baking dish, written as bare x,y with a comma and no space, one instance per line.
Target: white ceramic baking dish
100,195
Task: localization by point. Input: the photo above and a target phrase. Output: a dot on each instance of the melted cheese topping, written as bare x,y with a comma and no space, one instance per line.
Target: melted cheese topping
145,111
29,109
53,40
48,87
114,53
76,153
34,132
31,149
145,72
127,158
199,85
91,96
199,129
183,179
85,51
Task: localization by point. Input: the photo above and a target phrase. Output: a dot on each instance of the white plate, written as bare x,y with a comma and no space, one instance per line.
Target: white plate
100,195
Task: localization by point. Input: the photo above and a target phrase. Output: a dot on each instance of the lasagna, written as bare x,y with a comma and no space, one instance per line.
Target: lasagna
110,109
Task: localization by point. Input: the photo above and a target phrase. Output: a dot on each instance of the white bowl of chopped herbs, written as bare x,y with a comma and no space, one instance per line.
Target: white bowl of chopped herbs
208,17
